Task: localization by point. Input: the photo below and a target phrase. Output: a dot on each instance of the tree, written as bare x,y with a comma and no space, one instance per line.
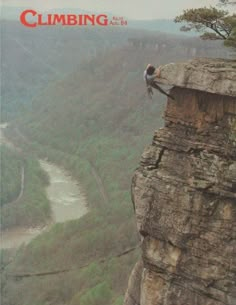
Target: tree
225,2
213,23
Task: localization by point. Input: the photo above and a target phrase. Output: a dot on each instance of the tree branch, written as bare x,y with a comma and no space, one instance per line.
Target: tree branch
212,26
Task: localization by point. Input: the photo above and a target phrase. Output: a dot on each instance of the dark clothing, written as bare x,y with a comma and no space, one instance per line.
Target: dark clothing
155,85
149,78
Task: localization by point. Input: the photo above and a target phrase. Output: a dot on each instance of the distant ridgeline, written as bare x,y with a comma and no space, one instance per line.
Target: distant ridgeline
48,54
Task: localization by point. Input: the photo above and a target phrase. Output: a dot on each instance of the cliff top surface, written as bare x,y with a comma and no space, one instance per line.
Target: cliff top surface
205,74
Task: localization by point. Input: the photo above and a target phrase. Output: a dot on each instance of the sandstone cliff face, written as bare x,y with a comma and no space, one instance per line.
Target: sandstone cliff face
184,193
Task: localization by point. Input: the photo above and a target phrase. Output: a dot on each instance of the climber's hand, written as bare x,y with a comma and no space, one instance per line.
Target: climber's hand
158,72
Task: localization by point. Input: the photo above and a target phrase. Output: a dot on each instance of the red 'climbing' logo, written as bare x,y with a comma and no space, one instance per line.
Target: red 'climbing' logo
31,18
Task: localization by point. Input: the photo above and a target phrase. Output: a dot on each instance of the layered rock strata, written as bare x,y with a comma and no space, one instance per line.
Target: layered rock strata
184,193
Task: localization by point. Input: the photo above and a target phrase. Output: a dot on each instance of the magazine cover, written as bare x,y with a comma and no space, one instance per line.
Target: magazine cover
118,152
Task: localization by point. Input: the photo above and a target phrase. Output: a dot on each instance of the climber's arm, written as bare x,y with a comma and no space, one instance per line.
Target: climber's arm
158,72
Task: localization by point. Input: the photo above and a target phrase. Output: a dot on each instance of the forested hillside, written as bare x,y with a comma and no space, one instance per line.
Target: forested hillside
23,198
10,175
32,58
95,123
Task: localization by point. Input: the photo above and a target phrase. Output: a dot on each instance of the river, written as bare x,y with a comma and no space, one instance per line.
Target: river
66,197
67,202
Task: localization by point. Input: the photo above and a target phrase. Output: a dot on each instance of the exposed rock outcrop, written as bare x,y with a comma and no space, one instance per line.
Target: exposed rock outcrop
210,75
184,193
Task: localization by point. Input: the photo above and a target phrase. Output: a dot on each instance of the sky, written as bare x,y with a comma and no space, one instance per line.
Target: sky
134,9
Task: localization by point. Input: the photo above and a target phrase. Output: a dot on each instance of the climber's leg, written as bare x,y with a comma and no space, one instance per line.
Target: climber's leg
155,85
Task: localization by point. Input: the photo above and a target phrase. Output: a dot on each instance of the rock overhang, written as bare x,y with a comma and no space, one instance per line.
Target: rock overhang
217,76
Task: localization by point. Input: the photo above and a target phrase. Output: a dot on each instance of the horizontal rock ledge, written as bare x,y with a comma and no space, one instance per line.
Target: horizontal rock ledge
216,76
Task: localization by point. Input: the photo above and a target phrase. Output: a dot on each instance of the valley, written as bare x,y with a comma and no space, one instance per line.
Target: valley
93,121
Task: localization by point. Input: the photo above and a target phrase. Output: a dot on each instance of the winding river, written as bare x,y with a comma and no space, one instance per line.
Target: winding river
66,197
67,202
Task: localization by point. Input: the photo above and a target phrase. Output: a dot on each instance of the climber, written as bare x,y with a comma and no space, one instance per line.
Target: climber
149,77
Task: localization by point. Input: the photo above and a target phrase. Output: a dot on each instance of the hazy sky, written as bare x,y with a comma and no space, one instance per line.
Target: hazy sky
138,9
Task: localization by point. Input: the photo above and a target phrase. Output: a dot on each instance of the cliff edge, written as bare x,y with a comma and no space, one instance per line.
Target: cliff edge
210,75
184,192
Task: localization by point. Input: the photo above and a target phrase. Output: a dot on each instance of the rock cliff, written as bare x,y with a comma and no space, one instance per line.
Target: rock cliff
184,192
